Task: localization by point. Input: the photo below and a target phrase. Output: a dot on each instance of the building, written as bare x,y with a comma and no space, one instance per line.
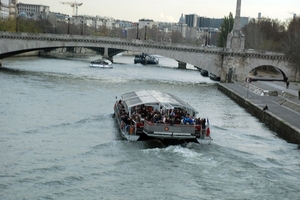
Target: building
209,22
181,26
244,21
191,20
147,23
94,21
124,24
13,8
33,11
57,17
4,9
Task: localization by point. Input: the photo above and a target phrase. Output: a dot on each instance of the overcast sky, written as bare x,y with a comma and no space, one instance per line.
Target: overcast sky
171,10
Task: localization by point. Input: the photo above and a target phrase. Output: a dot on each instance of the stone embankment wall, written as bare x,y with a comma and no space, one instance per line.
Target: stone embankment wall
281,127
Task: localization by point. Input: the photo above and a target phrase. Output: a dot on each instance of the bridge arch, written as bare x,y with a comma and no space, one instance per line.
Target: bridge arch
245,63
267,73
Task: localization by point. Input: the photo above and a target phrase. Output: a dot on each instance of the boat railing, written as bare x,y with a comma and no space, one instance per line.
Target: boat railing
133,128
127,129
175,128
122,126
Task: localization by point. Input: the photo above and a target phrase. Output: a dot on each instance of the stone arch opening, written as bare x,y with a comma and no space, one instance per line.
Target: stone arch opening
266,73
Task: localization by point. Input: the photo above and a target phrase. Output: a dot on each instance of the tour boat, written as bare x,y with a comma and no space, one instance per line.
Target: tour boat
149,114
146,59
101,63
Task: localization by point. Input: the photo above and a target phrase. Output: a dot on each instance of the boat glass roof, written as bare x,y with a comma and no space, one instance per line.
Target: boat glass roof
167,100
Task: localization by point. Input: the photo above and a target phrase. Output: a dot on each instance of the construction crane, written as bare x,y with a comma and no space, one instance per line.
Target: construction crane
74,5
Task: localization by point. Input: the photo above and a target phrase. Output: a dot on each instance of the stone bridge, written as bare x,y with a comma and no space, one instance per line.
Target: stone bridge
223,62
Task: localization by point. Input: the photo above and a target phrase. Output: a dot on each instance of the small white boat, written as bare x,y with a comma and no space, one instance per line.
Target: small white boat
101,63
148,114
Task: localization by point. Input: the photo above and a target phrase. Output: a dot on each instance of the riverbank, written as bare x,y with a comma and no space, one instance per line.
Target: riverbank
283,103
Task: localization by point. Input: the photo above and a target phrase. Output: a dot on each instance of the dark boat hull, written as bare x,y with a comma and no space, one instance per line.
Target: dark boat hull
204,73
146,59
214,77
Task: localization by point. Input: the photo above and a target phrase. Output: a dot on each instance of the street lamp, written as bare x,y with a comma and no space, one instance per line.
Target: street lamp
145,32
17,24
82,27
68,25
137,31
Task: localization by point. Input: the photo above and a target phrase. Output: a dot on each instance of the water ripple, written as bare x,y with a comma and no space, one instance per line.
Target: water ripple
53,168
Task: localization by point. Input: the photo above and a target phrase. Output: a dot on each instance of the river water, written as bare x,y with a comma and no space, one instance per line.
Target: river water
59,141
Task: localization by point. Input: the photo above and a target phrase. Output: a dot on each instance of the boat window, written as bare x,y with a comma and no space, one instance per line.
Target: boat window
167,106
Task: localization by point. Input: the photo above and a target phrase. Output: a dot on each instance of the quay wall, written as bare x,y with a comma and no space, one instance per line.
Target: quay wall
284,129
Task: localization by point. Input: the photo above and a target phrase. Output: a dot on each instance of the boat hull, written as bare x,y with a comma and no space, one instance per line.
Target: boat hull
214,77
204,73
176,134
205,140
101,63
101,66
146,59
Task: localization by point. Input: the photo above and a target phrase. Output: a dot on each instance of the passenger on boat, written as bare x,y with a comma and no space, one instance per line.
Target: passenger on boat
137,119
198,121
181,114
150,116
178,120
127,120
168,120
172,120
159,118
172,114
150,109
188,120
143,112
120,105
165,119
155,118
203,127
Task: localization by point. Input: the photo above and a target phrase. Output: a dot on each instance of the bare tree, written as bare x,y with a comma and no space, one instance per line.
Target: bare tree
291,42
264,34
132,33
176,37
254,37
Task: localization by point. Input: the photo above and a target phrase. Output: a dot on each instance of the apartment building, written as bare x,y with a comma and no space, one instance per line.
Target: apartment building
33,11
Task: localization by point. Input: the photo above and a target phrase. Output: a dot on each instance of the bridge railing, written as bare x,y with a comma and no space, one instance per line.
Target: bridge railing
138,43
112,40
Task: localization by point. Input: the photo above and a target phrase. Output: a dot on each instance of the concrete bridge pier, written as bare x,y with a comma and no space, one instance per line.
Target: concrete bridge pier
181,65
106,56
